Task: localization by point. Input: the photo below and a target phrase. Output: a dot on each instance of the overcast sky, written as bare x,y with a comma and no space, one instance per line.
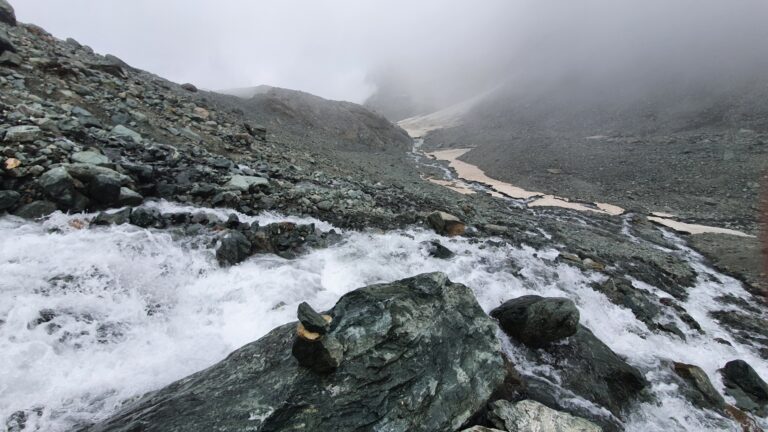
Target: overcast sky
330,47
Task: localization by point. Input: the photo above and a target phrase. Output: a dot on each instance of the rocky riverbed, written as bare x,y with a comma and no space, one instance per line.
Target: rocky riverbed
160,244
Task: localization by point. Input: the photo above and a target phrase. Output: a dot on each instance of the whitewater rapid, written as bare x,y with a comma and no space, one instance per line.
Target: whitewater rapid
135,309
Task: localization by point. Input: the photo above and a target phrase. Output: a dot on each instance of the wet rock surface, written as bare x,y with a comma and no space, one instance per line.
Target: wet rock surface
746,386
590,369
537,321
451,367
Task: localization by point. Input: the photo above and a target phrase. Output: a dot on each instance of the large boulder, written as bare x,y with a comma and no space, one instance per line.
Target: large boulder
589,368
697,387
419,355
233,249
7,15
531,416
35,209
538,321
745,386
446,223
104,189
59,186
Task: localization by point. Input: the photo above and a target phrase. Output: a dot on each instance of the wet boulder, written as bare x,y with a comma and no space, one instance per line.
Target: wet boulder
419,355
119,217
446,224
233,249
36,209
697,387
129,197
145,217
104,189
59,186
538,321
189,87
7,14
528,415
436,250
744,385
8,199
590,369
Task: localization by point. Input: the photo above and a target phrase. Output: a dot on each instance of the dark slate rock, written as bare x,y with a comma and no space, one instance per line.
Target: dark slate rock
7,15
593,371
59,186
436,250
234,249
323,355
420,355
36,210
311,320
697,387
537,321
104,189
8,199
119,217
129,197
145,217
745,385
5,42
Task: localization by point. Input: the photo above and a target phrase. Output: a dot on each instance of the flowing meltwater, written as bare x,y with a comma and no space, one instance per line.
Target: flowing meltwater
93,317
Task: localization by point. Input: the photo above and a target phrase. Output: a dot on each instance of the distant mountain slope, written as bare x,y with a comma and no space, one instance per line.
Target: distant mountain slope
310,120
695,151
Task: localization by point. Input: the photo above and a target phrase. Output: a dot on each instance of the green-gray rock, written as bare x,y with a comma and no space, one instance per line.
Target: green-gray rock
537,321
531,416
419,355
22,133
121,131
58,185
744,384
7,15
244,183
90,157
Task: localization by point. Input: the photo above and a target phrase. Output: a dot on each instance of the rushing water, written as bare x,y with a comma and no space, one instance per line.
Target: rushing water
135,309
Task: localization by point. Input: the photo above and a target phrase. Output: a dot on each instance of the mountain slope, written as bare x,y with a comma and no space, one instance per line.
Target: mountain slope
312,121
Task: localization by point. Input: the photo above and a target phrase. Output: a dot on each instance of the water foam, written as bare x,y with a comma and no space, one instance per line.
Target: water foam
137,309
